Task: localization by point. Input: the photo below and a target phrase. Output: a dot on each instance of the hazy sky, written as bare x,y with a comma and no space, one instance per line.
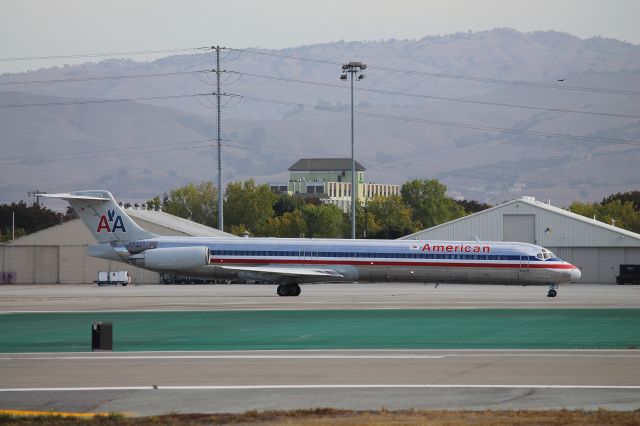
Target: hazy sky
66,27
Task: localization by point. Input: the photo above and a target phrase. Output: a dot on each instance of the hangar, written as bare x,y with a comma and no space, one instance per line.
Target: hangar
58,255
597,248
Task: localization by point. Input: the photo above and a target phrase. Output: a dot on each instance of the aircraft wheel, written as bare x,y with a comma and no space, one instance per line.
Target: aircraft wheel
288,290
295,290
552,293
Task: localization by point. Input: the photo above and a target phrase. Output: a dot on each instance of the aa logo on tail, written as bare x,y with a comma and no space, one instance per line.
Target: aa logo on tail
112,223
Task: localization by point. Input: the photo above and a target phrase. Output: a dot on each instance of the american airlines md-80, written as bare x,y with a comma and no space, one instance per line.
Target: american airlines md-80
289,262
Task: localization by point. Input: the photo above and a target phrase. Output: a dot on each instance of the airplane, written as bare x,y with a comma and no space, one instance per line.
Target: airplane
289,262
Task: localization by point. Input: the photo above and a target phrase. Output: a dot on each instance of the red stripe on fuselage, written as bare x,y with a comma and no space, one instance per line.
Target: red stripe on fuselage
245,261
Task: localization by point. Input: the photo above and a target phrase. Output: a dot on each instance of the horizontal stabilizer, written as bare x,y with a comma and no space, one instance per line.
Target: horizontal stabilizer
70,196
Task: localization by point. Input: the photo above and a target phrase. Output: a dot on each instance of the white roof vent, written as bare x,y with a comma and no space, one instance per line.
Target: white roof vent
528,198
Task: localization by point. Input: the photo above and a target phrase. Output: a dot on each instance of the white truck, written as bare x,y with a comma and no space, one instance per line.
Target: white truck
113,277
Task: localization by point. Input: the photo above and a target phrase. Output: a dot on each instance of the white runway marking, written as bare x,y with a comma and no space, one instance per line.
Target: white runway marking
102,358
313,354
335,386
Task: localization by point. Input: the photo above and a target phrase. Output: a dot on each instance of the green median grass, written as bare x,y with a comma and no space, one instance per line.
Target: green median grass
327,329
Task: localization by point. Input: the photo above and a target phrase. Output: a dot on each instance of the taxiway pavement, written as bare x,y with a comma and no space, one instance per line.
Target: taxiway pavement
158,382
153,383
88,297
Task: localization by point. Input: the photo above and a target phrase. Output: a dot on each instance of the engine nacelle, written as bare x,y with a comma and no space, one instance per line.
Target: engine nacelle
176,258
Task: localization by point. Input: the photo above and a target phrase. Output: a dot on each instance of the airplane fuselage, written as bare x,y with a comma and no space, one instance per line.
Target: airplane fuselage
352,260
289,262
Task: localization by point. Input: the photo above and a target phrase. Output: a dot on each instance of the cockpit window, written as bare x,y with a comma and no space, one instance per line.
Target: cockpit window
546,254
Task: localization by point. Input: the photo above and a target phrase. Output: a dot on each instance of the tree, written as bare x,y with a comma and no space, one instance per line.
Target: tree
249,205
632,196
323,221
28,219
155,203
196,203
367,224
286,203
289,224
429,202
616,212
392,216
472,206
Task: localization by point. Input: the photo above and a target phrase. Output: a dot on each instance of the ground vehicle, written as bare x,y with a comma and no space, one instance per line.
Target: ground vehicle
113,277
629,274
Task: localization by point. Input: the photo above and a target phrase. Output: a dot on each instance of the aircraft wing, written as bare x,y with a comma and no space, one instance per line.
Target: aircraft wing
272,273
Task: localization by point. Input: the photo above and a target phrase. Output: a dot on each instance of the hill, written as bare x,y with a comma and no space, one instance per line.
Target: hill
427,105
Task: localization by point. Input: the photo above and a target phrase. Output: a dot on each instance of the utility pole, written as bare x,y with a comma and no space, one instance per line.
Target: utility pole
353,68
220,187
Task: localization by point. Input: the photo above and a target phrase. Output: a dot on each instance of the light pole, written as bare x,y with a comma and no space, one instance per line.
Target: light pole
353,68
220,189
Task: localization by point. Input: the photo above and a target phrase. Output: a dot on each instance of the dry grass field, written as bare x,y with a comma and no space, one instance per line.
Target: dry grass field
322,417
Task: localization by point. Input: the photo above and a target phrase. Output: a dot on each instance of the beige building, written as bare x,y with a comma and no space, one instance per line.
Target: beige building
329,179
58,255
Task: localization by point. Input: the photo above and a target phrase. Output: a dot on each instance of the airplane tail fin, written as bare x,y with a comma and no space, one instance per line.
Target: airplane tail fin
100,213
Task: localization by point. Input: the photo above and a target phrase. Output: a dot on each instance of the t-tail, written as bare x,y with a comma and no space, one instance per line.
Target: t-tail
104,218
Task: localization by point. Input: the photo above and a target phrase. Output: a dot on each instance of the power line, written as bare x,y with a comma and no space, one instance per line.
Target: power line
145,149
115,77
453,76
237,144
102,101
440,98
100,55
481,175
240,74
444,123
79,155
512,82
331,62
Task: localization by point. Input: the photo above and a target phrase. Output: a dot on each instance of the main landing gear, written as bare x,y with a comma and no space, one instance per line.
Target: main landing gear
553,290
288,290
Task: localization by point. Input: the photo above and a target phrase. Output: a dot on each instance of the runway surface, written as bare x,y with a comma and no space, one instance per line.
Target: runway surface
152,383
87,297
144,383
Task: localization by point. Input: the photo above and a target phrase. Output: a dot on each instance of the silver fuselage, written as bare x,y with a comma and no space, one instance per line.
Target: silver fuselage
362,260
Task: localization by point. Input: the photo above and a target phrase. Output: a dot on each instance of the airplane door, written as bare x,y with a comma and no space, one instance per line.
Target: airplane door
523,271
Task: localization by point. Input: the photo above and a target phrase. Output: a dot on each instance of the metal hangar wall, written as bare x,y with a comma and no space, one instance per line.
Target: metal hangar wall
58,255
597,248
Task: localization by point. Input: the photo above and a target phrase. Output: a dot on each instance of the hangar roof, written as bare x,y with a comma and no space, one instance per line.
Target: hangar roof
176,223
554,227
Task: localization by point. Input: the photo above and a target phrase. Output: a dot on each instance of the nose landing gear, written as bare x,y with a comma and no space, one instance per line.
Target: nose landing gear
553,290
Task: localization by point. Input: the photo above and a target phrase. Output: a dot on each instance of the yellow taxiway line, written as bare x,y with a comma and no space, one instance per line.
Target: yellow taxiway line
50,413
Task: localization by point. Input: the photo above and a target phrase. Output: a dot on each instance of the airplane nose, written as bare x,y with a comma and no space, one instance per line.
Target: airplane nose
575,274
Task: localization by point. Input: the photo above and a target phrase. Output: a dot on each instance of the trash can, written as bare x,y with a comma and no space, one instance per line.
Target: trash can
101,336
